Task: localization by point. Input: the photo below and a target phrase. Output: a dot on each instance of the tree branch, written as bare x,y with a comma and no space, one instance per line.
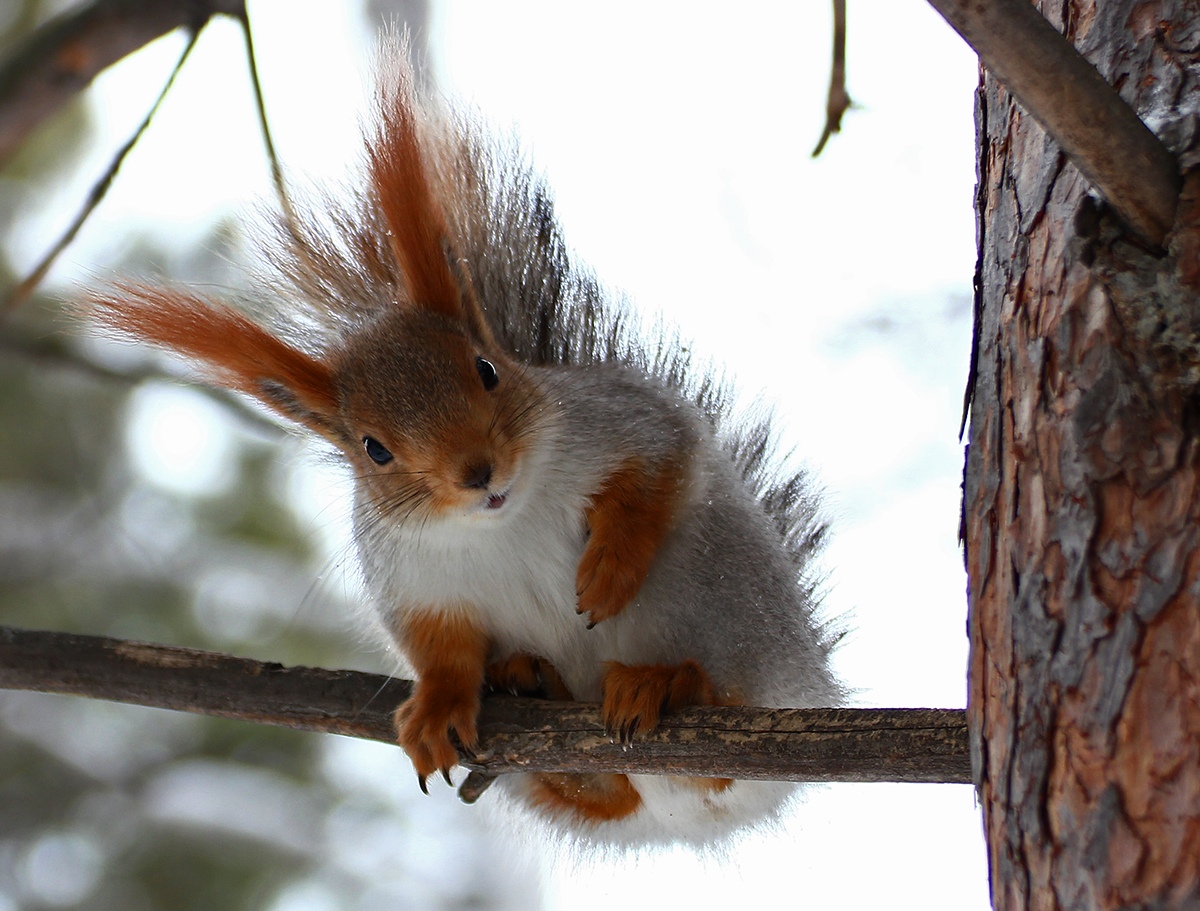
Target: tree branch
838,101
1097,130
93,38
516,734
61,58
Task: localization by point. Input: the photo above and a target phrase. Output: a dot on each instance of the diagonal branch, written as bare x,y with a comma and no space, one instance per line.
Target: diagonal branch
904,745
1097,130
68,52
25,288
62,57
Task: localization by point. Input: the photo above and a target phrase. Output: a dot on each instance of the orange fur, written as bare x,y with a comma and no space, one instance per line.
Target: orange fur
446,464
635,696
415,220
463,446
448,651
231,349
629,518
716,785
591,797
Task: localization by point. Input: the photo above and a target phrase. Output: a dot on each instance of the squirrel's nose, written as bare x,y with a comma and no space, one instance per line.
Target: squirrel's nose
477,476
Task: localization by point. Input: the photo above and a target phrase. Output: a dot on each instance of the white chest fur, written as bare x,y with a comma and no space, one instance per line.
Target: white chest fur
513,570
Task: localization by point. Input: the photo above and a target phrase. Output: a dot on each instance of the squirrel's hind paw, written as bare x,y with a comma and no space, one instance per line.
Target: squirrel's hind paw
523,674
636,696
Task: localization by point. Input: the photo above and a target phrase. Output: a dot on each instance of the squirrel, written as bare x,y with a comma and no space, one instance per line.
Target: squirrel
544,502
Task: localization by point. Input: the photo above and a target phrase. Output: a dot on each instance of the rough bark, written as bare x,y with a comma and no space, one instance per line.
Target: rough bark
1082,498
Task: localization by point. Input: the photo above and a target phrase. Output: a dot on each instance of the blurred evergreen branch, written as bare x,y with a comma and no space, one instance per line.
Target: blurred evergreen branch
55,352
26,286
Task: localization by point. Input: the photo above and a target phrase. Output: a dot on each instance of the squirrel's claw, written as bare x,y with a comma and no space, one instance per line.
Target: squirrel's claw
627,732
621,730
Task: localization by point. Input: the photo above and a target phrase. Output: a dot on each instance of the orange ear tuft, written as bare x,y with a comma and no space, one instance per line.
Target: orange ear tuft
417,224
227,346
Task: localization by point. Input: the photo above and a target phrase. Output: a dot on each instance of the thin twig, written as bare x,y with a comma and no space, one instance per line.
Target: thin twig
285,201
21,292
1097,130
516,734
838,101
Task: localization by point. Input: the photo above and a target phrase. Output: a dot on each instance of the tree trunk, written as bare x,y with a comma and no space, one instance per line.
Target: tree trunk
1082,498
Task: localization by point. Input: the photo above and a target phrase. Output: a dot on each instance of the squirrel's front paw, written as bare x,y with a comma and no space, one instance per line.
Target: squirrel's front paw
424,723
606,581
628,521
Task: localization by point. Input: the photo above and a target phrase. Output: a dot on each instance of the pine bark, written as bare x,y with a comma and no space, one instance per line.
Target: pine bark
1082,497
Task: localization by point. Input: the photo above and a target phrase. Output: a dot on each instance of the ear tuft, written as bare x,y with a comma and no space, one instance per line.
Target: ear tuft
400,178
229,348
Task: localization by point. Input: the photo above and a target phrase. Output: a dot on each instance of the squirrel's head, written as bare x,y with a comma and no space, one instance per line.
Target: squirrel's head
433,418
431,413
436,421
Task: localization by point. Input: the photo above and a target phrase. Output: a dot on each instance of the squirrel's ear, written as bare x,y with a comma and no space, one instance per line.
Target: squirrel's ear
405,191
229,348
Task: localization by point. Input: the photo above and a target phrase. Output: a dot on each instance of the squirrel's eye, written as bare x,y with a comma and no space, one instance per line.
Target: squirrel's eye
487,373
377,451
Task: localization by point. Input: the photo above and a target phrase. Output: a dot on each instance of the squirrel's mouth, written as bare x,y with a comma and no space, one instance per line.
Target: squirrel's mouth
496,500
